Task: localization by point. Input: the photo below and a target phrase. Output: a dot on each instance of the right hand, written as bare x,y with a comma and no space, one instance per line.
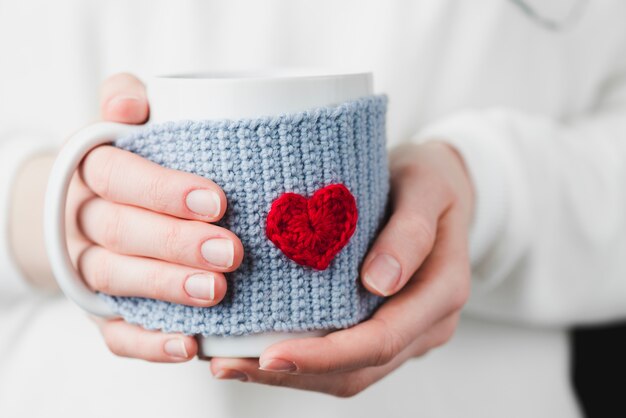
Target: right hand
135,228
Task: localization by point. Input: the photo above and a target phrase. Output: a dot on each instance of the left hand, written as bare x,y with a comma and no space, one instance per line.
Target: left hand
421,258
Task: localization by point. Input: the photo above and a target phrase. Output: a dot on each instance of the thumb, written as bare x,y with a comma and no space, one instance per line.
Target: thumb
123,99
406,240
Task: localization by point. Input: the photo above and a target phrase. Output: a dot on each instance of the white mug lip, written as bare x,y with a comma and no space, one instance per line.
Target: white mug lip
263,75
245,94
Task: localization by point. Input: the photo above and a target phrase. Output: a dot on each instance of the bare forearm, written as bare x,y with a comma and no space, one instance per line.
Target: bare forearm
26,220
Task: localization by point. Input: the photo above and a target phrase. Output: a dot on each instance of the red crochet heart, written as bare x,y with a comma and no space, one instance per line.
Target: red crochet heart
312,231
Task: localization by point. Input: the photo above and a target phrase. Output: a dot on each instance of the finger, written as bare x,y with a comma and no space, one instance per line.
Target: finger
76,241
440,288
121,176
123,99
127,340
121,275
134,231
409,235
343,384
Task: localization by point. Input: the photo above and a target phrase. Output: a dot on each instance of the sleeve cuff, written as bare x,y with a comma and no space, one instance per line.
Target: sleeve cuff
13,153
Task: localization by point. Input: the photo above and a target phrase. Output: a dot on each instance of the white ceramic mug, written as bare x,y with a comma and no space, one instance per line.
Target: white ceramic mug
202,96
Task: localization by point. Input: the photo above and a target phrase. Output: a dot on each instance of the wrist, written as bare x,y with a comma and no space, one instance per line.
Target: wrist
26,220
462,182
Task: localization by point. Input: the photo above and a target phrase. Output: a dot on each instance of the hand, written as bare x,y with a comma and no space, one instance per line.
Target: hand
421,257
138,229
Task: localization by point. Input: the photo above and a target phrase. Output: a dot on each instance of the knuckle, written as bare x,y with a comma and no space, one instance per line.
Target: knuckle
101,166
101,274
77,217
445,334
414,226
157,287
155,193
442,339
329,364
172,241
113,225
95,267
350,387
390,346
116,349
384,354
346,391
112,342
459,298
461,291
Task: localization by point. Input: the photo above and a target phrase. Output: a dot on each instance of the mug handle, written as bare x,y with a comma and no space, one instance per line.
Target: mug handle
66,163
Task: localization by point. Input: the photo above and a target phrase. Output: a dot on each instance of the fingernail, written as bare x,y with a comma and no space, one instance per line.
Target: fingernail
231,374
121,99
200,286
278,365
219,252
176,348
383,274
127,107
203,202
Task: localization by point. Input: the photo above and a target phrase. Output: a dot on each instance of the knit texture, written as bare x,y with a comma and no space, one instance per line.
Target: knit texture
270,161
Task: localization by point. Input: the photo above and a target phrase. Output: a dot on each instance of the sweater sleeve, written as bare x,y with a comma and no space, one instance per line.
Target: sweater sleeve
548,240
13,153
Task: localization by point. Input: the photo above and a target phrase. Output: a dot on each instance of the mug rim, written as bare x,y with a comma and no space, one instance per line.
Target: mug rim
251,93
266,75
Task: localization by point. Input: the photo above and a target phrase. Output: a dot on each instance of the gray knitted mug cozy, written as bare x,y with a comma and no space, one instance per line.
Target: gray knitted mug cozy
307,194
